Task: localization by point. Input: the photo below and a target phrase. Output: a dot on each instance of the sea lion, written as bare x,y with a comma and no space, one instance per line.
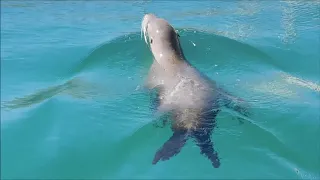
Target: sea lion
190,97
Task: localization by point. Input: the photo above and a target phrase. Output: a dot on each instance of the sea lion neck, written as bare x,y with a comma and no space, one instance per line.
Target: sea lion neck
171,61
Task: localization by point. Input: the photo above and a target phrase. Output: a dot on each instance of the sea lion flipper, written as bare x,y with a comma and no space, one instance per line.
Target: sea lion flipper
155,100
154,73
205,144
172,147
232,102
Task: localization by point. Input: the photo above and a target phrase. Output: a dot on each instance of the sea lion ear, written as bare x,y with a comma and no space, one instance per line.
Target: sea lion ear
177,32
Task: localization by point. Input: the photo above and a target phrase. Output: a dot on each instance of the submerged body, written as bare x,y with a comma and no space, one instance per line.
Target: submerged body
191,98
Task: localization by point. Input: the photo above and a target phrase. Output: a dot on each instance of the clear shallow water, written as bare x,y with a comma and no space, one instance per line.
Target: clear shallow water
71,106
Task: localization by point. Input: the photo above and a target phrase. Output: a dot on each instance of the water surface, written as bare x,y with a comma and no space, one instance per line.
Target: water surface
72,104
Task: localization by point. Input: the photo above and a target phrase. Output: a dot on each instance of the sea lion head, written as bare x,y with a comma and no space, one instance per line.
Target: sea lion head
162,38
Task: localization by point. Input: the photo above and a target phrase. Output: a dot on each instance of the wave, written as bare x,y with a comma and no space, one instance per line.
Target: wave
124,62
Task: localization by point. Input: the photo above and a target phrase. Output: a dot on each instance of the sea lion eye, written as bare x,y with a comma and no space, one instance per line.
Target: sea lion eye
151,41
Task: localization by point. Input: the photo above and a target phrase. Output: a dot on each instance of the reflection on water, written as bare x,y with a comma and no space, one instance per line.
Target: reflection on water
238,18
303,83
76,87
288,22
285,85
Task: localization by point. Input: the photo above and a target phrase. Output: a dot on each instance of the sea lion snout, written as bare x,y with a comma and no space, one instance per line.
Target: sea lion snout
144,25
149,16
145,21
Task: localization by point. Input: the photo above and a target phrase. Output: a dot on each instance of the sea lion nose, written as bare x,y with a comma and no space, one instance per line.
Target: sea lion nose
149,16
149,19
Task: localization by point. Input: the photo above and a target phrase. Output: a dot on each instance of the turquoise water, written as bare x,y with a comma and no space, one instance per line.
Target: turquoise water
72,104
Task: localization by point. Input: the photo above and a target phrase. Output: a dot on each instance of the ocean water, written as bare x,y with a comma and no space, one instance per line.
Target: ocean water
72,105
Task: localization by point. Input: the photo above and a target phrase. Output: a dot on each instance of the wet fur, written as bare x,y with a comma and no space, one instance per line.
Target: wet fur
197,122
201,134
